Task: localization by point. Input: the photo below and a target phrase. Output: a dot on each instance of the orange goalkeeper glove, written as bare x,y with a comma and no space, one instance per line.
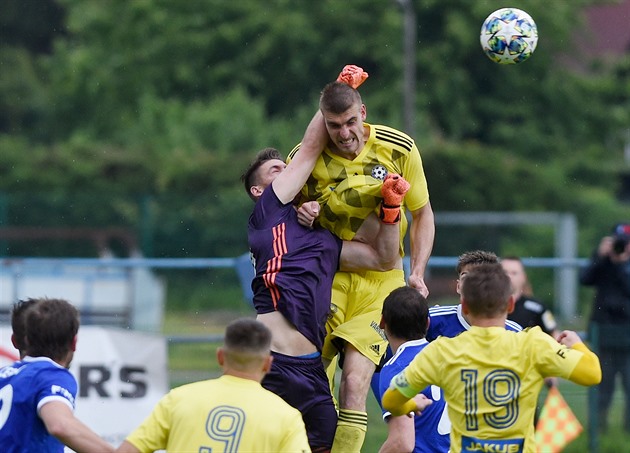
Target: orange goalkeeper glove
352,75
393,190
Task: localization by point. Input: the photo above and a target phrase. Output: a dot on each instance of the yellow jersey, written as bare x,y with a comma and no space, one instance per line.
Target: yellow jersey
224,415
349,190
491,378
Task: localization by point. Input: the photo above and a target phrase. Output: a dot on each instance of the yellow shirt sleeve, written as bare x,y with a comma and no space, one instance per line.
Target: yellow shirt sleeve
588,370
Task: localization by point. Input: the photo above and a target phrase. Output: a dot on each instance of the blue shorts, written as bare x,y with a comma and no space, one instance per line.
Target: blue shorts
303,384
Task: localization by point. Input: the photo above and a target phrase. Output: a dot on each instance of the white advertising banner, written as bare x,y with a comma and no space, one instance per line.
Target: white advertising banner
121,374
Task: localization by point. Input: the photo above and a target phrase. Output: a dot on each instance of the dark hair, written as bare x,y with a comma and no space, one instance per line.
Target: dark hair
18,325
405,312
474,258
338,97
247,335
51,325
486,290
250,176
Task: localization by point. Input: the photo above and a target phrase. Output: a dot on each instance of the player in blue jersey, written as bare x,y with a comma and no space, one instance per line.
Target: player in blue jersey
405,321
38,392
295,266
449,320
491,377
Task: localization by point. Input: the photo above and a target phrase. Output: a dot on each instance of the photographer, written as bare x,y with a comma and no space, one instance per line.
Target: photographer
609,272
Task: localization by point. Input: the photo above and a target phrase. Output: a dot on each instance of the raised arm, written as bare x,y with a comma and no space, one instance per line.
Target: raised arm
289,183
383,253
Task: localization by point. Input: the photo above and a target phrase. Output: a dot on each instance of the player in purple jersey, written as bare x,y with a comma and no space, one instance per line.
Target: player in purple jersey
405,321
37,393
295,266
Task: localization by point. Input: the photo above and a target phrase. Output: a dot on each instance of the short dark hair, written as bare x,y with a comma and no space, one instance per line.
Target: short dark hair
250,176
406,313
486,290
51,325
474,258
338,97
247,341
18,325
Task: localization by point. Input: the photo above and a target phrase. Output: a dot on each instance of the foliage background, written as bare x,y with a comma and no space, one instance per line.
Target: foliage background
143,113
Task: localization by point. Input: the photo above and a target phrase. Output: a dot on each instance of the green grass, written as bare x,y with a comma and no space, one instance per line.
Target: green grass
190,362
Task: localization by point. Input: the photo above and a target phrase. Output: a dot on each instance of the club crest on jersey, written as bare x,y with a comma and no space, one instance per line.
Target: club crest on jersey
379,172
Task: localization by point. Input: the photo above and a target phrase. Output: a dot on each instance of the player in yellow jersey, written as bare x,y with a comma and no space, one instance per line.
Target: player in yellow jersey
491,377
344,190
230,414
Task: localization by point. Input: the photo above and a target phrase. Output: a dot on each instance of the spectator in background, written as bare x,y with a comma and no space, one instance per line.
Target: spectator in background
528,312
609,272
231,413
38,392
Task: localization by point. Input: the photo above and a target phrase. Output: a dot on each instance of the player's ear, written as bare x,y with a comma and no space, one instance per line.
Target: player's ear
465,310
363,112
381,324
510,307
256,191
74,343
13,342
220,356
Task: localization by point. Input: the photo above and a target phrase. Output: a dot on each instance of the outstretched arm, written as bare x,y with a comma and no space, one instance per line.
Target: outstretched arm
61,423
289,183
588,370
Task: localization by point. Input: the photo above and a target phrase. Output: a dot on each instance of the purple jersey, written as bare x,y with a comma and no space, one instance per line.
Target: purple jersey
25,387
295,266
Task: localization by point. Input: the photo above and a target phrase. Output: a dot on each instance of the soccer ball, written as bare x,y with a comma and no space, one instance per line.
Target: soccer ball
509,36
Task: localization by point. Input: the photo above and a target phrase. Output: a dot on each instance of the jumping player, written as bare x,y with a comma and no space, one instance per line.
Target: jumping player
346,185
491,377
295,266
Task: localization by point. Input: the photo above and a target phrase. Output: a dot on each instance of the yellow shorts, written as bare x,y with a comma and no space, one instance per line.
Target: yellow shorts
355,312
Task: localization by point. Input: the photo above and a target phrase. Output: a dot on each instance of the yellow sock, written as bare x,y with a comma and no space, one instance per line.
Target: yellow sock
350,434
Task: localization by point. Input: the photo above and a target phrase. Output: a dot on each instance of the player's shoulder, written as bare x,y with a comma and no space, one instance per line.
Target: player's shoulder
443,310
393,137
513,325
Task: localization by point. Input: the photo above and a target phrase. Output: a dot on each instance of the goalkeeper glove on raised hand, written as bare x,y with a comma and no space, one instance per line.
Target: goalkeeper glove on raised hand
393,191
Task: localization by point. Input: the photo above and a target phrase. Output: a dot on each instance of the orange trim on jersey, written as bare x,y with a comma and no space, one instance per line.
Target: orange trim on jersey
275,264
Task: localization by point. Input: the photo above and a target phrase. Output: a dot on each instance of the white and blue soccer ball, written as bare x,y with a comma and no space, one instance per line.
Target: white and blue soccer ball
509,36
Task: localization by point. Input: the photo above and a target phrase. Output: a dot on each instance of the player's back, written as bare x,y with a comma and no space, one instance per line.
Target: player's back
23,386
492,378
224,414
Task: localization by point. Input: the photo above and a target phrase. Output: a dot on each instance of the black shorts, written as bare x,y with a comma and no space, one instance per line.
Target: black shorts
304,385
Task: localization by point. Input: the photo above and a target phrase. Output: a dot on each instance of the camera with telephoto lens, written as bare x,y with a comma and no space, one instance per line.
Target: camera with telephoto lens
621,238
